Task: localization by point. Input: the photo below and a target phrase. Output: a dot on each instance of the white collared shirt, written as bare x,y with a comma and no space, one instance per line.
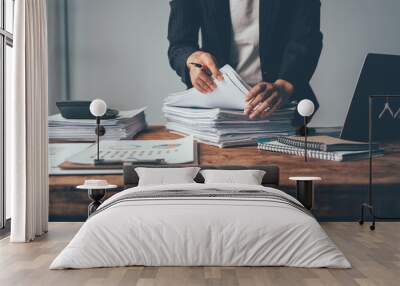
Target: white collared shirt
245,54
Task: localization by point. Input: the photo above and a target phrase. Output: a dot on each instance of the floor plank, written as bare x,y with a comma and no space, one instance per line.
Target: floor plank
375,257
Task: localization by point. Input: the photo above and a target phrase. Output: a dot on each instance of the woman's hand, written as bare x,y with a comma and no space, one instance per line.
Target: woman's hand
265,98
202,77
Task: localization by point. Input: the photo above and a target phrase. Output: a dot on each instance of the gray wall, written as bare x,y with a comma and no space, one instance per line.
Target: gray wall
58,60
117,51
352,28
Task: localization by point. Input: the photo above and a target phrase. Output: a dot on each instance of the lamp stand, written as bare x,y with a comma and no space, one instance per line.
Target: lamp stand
100,131
369,206
305,139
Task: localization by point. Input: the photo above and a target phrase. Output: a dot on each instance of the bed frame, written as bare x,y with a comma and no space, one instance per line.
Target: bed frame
270,179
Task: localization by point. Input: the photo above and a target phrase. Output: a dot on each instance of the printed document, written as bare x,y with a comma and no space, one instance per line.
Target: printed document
229,94
178,151
58,152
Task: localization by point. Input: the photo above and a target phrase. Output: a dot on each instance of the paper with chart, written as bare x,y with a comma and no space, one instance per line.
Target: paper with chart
178,151
58,152
229,94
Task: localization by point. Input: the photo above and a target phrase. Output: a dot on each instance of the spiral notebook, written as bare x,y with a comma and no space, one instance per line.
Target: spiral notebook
339,156
325,143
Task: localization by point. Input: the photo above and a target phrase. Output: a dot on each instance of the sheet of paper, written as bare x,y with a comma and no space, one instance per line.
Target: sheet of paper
58,152
176,151
229,94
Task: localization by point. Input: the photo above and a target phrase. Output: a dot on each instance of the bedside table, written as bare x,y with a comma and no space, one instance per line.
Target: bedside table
305,190
96,192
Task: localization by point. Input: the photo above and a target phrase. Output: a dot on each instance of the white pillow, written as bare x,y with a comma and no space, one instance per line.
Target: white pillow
248,177
166,176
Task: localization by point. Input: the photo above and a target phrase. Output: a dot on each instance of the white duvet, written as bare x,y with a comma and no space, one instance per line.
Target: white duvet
200,231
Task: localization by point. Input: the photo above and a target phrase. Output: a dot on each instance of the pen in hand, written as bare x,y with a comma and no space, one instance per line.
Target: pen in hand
203,72
197,65
203,68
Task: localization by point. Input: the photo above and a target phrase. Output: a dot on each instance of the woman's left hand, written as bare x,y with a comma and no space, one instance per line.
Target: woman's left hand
265,98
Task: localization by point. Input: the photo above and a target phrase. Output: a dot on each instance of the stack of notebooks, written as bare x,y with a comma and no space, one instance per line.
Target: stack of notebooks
217,118
125,126
320,147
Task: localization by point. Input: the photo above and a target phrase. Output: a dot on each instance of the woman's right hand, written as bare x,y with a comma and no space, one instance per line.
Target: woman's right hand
202,78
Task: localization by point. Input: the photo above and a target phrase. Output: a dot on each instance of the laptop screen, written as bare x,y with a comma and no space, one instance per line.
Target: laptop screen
380,75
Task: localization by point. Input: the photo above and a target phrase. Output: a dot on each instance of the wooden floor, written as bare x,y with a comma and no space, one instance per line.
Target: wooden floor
375,257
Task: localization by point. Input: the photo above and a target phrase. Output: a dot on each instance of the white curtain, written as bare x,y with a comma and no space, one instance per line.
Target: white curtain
26,141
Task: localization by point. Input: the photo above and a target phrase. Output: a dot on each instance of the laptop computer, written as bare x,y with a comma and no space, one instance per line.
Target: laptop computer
380,75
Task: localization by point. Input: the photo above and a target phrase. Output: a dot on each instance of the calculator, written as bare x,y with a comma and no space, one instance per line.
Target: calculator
80,110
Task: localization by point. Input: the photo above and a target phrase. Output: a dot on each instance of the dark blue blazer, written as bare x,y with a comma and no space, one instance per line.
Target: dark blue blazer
290,38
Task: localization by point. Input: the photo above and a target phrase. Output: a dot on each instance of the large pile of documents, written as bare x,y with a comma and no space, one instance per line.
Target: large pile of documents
126,125
217,118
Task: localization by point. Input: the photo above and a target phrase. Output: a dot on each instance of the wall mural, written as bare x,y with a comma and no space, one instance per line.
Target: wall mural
234,84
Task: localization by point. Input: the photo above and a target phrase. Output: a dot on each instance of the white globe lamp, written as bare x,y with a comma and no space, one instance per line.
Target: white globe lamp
305,108
98,108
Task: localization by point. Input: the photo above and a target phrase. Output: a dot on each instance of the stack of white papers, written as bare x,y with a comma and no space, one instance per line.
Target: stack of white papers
229,94
125,126
217,118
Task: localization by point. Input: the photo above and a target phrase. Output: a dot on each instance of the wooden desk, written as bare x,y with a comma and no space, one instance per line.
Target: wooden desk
338,195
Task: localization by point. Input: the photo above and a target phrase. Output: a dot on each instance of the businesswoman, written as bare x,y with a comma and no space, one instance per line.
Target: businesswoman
273,44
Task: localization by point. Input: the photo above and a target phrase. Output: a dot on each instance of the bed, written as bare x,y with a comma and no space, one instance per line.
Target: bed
197,224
